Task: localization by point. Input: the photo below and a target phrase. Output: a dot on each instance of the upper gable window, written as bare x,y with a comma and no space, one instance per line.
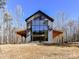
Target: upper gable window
39,21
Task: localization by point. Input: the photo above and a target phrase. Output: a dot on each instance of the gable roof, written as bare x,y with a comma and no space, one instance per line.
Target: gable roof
51,19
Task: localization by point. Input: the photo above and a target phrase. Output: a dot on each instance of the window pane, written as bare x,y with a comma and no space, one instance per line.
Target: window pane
41,22
37,22
33,28
37,28
46,22
33,22
41,28
45,27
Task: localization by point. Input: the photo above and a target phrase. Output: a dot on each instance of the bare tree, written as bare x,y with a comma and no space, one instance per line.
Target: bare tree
70,24
61,24
19,14
7,20
2,8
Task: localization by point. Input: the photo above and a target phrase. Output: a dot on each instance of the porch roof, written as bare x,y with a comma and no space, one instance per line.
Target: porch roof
24,32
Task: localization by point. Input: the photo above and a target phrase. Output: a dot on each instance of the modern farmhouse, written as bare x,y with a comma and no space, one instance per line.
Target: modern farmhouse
39,28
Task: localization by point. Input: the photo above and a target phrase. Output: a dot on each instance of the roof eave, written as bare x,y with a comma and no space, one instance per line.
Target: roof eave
41,13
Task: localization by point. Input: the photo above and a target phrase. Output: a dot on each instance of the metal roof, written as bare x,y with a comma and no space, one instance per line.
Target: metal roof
51,19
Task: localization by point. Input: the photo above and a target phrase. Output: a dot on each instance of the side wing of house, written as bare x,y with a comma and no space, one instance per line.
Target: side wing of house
56,35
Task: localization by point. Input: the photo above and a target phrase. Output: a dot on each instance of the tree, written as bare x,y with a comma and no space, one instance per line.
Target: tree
19,14
2,8
7,21
70,24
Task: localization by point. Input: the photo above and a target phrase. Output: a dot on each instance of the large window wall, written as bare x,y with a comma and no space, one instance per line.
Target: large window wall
39,29
39,25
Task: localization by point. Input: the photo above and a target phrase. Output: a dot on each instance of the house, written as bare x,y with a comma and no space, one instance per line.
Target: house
39,28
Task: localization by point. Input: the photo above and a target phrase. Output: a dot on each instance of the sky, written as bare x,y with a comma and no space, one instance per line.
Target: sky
50,7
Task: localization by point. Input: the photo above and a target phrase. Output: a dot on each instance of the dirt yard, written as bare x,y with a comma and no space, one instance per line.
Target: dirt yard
32,51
